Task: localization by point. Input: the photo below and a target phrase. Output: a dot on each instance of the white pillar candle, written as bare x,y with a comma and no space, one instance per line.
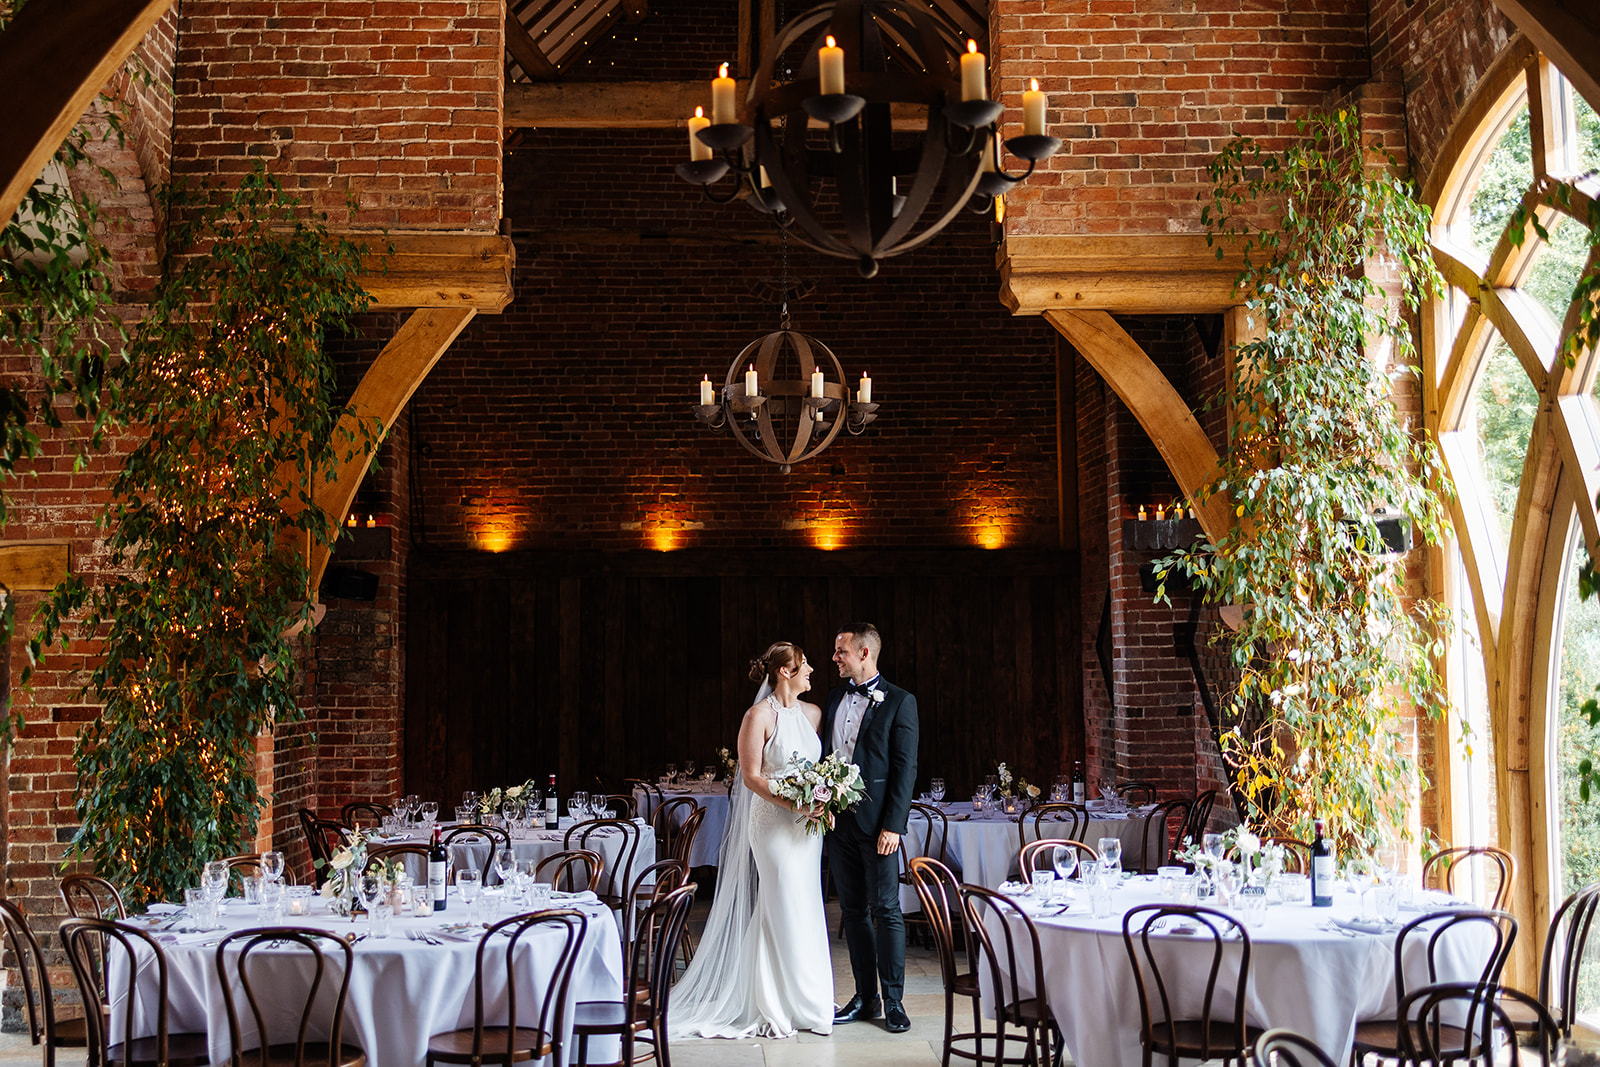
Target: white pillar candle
1033,105
988,156
974,78
816,383
830,68
707,395
697,149
724,104
751,386
766,182
864,394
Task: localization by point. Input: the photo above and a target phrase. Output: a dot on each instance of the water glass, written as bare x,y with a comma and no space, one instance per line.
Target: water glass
489,905
1212,844
1296,888
1388,903
1189,889
270,912
538,895
1167,880
215,879
252,889
380,918
936,789
1043,883
1253,903
1100,900
202,909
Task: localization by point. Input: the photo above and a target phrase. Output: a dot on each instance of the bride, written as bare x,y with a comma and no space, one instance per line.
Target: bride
762,966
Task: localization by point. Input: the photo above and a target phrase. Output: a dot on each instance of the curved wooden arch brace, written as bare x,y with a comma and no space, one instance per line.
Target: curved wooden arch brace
1163,413
1566,31
382,394
54,58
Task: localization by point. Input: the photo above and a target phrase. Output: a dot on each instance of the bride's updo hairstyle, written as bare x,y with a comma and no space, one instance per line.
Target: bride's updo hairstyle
764,668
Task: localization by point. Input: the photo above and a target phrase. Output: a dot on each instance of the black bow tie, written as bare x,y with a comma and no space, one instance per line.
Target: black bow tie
859,687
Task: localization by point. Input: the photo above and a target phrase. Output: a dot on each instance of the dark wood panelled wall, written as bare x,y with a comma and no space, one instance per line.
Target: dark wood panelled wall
602,666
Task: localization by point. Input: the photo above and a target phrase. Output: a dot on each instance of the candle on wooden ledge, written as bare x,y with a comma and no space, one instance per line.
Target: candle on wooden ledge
830,68
1033,105
864,394
974,74
816,383
707,395
724,104
1161,513
752,387
698,150
352,520
1142,514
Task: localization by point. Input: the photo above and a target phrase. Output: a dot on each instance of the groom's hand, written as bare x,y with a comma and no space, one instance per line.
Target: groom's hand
888,843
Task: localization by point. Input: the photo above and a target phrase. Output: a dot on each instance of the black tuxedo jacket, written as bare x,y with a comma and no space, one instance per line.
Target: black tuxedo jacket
886,752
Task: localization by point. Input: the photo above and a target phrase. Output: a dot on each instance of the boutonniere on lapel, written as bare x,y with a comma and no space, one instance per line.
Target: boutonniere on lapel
876,696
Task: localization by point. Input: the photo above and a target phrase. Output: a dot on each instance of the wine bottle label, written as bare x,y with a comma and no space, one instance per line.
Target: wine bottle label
437,886
1077,792
1322,880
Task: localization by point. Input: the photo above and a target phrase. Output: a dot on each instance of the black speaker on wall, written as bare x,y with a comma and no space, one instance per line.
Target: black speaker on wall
348,583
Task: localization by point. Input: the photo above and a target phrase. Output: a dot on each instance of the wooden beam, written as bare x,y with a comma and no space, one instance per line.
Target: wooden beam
383,393
633,105
1154,274
34,566
54,58
525,50
1163,413
439,270
1566,31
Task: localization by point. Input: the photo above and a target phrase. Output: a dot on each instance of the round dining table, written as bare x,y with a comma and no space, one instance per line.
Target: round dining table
983,846
535,845
713,797
404,988
1314,970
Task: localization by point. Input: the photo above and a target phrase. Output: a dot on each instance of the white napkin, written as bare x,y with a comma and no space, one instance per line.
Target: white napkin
1361,926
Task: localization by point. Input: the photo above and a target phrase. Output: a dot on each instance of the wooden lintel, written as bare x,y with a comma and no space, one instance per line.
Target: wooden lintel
1566,31
1151,274
54,58
526,51
34,566
438,270
384,390
633,105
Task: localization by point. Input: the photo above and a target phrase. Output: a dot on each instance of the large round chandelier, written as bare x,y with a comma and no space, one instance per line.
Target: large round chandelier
820,153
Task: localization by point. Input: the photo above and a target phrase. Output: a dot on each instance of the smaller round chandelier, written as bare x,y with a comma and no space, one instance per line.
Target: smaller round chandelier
821,154
785,398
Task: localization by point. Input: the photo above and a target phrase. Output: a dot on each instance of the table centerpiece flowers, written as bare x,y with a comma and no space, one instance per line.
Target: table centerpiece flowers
823,789
490,802
1014,787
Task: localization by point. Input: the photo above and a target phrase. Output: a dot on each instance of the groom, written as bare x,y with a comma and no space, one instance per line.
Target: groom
874,725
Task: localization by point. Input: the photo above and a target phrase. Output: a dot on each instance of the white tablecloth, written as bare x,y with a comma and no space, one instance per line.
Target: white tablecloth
535,845
401,991
1302,975
713,797
983,847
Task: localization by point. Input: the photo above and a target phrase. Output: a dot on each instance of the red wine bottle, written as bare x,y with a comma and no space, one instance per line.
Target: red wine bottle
438,883
1321,869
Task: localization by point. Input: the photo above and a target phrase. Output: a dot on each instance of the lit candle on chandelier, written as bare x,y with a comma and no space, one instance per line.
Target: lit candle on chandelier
707,396
816,383
752,387
974,76
1033,105
698,150
724,106
864,394
830,68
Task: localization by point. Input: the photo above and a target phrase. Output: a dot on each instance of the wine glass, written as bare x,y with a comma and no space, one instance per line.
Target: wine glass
688,769
369,887
429,810
215,880
936,789
991,785
505,864
1111,858
1064,858
1212,843
272,866
672,773
578,805
468,881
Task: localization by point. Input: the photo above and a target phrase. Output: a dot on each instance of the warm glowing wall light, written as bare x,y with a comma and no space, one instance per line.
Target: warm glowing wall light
991,535
663,539
827,535
494,540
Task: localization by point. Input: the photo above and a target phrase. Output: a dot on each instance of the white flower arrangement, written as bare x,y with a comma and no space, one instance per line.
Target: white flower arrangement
490,802
730,764
1241,842
1010,786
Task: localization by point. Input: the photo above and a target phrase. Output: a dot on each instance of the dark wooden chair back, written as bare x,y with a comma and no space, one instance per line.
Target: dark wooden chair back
32,974
233,967
653,797
248,863
651,959
1138,791
322,837
1040,856
1008,943
368,812
587,835
668,821
622,805
88,896
1452,1022
1286,1048
1199,817
1062,822
1157,838
1565,945
90,944
492,836
1499,868
397,854
565,923
564,868
1219,1031
939,890
933,844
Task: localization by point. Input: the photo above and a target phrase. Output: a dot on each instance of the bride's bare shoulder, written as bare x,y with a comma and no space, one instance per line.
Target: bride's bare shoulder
812,712
760,712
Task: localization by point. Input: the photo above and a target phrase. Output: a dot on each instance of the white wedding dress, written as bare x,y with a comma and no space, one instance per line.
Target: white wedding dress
762,965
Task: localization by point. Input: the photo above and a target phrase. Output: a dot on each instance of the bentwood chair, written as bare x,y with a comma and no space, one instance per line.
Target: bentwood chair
1040,856
1063,822
1156,839
492,837
89,896
1495,929
1565,945
1138,791
613,883
1219,1031
369,813
1194,828
562,870
397,854
1498,868
32,975
513,1041
669,821
933,847
90,946
648,965
233,967
1008,942
322,837
649,886
623,805
940,892
1466,1022
248,863
1286,1048
653,797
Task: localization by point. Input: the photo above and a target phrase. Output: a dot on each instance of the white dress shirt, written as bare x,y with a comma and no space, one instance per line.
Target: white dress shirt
847,722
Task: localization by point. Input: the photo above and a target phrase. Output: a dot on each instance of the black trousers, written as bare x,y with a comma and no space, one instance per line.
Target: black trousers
869,898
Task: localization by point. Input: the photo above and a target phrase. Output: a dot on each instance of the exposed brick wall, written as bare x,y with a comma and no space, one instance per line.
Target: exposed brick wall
1145,94
147,89
394,104
687,39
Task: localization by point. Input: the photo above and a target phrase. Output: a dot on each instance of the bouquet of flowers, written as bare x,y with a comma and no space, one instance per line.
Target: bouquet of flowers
1015,786
730,763
1241,842
489,803
831,787
345,865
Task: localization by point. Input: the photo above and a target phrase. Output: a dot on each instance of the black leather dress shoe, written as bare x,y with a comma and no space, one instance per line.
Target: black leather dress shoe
895,1019
857,1009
